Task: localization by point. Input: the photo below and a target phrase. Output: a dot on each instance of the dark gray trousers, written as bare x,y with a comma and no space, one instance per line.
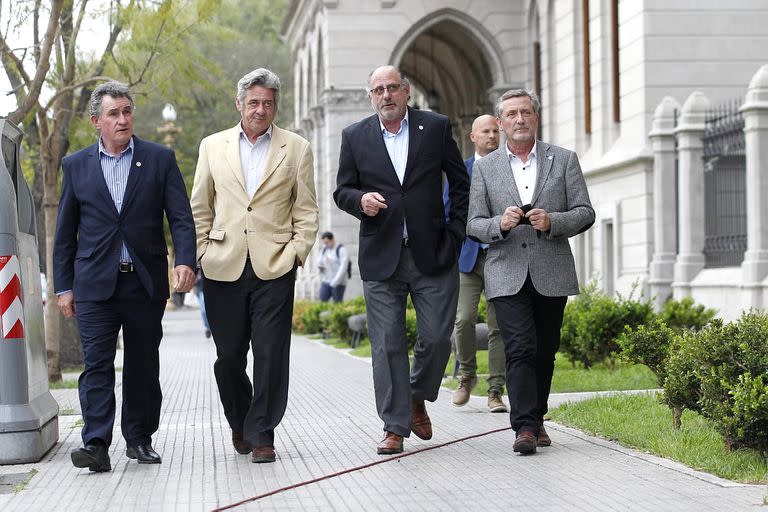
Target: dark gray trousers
395,383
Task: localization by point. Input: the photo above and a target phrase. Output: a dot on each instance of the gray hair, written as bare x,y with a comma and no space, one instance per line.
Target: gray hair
403,79
261,77
518,93
113,89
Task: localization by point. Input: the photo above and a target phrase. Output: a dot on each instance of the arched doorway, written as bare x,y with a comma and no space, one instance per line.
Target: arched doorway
449,73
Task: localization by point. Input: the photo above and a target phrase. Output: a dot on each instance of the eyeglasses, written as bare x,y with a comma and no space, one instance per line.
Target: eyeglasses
390,88
512,114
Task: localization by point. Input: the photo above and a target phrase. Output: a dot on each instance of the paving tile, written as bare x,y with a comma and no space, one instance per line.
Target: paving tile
331,426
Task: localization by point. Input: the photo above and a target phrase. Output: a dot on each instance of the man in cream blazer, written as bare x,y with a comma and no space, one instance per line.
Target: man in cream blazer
255,211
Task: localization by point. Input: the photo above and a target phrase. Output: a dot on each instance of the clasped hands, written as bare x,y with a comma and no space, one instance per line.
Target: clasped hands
538,218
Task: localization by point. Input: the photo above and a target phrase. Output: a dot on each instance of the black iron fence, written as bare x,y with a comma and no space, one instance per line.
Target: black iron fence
725,205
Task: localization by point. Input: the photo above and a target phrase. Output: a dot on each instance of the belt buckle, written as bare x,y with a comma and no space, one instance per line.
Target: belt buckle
125,266
406,242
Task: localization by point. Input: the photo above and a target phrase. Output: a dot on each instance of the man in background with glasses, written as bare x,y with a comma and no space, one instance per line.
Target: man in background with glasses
390,177
527,199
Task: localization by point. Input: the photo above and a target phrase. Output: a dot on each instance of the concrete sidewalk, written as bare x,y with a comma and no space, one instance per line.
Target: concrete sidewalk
330,426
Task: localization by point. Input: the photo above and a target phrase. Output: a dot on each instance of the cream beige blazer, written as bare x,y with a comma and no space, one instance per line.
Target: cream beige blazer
276,227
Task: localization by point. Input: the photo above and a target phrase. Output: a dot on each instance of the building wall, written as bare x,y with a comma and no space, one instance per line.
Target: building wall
666,47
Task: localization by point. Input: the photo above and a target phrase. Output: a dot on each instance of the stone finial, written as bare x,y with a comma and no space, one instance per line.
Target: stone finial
664,117
757,94
693,113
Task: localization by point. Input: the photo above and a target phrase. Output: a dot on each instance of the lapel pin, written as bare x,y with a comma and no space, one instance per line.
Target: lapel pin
138,164
549,157
421,127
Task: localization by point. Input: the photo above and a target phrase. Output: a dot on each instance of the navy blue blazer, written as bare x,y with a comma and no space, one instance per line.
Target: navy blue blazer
365,166
90,231
469,248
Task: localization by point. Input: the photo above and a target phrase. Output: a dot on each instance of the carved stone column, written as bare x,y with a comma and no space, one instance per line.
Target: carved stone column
754,269
689,132
662,137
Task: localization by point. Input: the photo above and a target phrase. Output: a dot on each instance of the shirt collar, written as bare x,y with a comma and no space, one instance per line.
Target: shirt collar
103,150
264,136
477,156
403,124
532,154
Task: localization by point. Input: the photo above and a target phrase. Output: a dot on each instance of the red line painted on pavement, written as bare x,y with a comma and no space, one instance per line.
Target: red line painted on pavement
356,468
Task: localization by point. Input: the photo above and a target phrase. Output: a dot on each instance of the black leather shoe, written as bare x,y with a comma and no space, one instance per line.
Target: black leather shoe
92,456
143,453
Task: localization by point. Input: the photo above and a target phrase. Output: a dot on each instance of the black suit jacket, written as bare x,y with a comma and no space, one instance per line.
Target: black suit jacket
365,166
90,231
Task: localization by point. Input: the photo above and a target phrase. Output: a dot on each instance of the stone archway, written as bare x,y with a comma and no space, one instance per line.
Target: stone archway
452,71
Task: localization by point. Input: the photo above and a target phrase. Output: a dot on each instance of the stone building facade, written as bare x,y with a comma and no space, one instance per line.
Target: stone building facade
601,68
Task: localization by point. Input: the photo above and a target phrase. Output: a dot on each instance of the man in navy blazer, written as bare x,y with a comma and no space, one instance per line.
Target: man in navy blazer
110,271
485,137
390,177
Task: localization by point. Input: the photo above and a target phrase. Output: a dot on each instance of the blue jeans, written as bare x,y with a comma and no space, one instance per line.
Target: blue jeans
328,292
201,300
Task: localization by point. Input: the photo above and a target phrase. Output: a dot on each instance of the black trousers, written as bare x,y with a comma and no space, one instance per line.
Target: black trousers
252,313
98,324
530,327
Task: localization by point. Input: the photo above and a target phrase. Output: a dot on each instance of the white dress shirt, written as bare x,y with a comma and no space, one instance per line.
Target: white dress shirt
253,158
397,148
524,173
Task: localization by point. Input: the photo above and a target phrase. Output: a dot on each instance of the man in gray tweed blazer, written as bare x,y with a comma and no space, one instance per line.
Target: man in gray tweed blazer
527,198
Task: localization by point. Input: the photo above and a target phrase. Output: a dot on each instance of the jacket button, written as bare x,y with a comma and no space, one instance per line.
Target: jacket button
249,208
525,245
245,231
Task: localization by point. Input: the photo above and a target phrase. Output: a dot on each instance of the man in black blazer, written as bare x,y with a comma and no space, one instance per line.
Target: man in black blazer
390,177
110,271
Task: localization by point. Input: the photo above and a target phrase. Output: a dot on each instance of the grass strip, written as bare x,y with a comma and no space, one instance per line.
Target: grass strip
572,379
641,422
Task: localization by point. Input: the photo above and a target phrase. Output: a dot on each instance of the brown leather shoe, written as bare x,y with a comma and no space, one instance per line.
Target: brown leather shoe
241,445
263,454
543,439
422,425
392,443
525,443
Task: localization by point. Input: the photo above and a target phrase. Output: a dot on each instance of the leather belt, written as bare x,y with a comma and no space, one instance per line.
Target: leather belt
125,266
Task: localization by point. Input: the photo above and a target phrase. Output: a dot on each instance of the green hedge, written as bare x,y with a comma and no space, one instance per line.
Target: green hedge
592,321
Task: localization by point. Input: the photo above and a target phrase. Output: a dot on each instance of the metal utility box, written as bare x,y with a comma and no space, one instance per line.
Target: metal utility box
29,424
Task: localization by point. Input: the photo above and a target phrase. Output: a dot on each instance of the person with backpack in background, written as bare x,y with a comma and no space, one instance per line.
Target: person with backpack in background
335,268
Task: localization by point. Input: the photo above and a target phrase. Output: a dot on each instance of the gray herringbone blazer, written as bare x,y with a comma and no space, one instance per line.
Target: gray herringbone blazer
561,191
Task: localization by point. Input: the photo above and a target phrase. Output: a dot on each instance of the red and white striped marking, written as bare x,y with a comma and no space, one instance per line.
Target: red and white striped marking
11,308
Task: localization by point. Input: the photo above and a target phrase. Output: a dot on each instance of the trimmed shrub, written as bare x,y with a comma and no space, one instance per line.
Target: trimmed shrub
337,319
309,321
593,321
683,314
720,372
299,308
737,367
649,345
411,329
682,384
746,423
482,310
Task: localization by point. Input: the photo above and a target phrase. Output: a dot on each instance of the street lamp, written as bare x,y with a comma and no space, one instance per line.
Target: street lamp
169,129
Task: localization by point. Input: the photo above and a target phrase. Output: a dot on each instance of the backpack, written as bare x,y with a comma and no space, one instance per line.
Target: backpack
349,260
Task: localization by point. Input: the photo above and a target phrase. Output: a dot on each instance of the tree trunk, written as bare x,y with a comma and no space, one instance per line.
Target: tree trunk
52,319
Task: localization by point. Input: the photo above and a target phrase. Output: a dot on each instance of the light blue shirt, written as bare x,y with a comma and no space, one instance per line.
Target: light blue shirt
253,158
116,170
397,148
